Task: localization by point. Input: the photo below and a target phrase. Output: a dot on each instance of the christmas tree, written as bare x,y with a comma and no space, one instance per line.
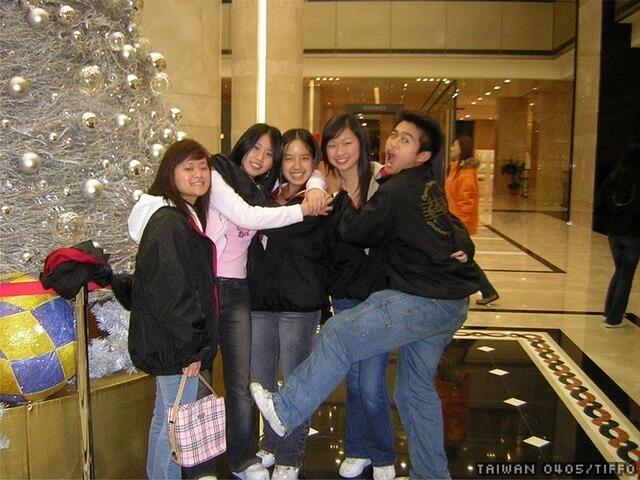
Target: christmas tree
83,125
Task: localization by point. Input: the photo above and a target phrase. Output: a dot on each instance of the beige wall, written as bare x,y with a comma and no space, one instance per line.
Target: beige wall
564,21
188,35
586,111
511,137
484,135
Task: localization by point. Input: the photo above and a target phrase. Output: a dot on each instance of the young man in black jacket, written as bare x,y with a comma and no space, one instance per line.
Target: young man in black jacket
426,253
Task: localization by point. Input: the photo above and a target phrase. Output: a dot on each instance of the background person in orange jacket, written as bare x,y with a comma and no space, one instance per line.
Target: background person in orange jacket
461,187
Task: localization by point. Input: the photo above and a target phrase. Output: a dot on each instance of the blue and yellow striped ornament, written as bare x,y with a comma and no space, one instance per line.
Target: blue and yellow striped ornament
37,343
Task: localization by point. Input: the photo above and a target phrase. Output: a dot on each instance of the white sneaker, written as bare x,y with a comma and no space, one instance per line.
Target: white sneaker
253,472
268,459
208,477
285,472
264,402
622,324
352,467
387,472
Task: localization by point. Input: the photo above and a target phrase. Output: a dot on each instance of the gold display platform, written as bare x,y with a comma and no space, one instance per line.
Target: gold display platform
45,436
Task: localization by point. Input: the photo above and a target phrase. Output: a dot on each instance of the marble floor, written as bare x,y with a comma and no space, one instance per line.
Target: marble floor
533,377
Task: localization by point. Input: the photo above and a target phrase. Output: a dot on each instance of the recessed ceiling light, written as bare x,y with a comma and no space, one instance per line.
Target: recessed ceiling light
497,87
474,103
507,80
337,79
467,116
418,79
535,88
531,104
431,79
318,78
324,79
480,99
487,93
406,85
331,79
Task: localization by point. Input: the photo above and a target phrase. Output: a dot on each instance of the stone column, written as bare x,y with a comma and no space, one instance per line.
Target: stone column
511,137
585,116
284,92
188,35
554,137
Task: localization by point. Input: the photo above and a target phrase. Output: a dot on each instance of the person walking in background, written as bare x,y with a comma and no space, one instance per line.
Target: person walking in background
619,202
354,275
173,323
463,198
285,273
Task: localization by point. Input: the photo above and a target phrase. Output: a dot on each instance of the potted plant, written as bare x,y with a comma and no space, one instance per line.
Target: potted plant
514,169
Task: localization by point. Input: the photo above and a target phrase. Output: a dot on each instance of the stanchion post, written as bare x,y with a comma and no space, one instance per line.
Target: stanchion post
84,387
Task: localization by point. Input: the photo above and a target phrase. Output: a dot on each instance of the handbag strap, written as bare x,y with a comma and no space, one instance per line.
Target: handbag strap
176,407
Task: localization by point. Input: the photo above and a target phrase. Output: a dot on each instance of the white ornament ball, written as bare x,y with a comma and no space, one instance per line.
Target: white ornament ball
127,53
123,120
30,163
167,135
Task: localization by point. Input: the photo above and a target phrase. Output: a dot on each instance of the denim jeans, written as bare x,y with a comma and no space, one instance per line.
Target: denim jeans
159,462
421,327
235,343
626,252
283,338
368,430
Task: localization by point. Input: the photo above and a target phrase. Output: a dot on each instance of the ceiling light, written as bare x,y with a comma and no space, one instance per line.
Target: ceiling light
331,79
473,103
467,116
497,87
431,79
364,124
479,99
418,79
531,104
318,78
534,88
487,93
324,79
406,85
507,80
337,79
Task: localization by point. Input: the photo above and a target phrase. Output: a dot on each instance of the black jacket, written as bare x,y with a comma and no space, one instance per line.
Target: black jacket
620,208
351,273
173,302
289,274
408,220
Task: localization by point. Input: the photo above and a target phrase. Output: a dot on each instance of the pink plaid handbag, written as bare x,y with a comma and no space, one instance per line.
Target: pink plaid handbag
196,429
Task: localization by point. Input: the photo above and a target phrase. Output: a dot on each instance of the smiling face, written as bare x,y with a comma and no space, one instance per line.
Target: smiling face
192,178
259,158
402,148
343,151
297,164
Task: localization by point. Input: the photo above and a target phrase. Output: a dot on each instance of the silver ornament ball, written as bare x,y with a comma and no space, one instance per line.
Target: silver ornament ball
116,41
181,135
159,84
69,227
176,114
18,86
167,135
38,17
128,53
30,163
158,61
133,81
92,189
157,151
67,15
122,120
5,123
91,79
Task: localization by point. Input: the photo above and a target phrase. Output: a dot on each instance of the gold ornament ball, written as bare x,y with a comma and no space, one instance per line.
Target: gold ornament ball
30,163
69,227
136,167
90,79
18,86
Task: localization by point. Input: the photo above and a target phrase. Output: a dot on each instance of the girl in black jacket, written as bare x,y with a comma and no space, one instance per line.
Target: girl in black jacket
173,322
286,282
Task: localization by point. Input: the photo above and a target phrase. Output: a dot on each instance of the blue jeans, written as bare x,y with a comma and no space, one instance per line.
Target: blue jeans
368,430
235,344
421,327
285,338
626,252
159,462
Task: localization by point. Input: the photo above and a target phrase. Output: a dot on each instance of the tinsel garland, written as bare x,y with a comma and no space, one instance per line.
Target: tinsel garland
109,354
82,126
